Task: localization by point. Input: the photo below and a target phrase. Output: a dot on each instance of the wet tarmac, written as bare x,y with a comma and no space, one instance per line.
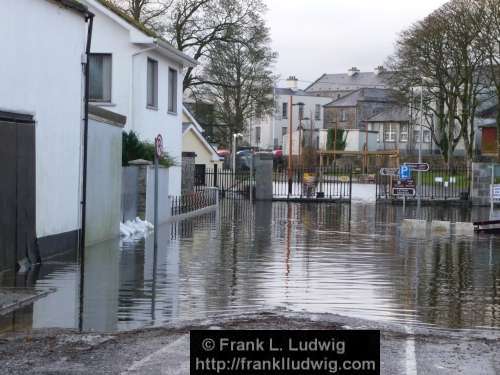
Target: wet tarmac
299,257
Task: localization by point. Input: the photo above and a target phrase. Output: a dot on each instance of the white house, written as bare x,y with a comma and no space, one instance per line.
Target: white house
41,75
268,132
139,75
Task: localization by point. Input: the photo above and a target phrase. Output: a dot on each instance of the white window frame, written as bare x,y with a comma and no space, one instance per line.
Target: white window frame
403,134
427,136
390,132
343,115
106,97
317,112
152,84
172,91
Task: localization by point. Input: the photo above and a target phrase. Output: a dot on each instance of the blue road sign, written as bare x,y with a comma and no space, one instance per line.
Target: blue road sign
404,172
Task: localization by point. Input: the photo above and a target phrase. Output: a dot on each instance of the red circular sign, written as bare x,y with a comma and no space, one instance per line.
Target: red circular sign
159,145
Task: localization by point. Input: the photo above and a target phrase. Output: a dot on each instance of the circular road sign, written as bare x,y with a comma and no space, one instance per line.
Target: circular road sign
159,145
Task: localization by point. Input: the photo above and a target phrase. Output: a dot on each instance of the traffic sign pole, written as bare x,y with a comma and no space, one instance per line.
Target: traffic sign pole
158,153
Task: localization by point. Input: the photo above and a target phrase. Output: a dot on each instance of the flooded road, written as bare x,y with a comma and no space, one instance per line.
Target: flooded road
301,257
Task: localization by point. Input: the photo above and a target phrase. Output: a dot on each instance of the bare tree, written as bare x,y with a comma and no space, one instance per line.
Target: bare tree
241,79
147,12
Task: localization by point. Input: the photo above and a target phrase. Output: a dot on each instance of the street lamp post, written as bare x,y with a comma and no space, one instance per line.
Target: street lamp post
290,136
419,198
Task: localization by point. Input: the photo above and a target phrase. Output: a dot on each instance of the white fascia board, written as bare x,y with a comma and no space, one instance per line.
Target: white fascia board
192,119
215,155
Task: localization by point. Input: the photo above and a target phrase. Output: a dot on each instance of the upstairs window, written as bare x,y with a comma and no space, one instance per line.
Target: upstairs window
172,90
389,132
343,115
152,84
284,110
317,112
100,77
403,133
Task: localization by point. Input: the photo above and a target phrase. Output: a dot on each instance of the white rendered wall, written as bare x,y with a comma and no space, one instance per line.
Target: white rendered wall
128,90
41,73
267,123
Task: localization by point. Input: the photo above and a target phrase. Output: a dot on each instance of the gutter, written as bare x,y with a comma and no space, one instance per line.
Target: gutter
186,60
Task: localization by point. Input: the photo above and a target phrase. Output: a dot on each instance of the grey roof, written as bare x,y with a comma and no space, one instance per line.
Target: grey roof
397,113
290,92
366,95
346,82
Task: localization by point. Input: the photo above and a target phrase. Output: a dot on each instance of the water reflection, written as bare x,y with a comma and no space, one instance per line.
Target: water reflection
301,256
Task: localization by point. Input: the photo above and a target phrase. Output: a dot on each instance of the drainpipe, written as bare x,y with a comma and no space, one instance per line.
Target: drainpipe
90,19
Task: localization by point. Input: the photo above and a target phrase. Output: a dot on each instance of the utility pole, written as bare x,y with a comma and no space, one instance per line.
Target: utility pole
290,131
419,198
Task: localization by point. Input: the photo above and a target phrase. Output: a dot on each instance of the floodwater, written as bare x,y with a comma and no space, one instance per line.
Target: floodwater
301,257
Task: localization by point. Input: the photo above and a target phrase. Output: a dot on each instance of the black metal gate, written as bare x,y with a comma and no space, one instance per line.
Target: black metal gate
230,184
330,183
17,189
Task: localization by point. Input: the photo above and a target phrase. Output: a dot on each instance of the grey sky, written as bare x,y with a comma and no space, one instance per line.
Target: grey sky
314,37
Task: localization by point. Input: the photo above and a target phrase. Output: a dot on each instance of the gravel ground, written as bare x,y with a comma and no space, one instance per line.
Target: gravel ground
165,350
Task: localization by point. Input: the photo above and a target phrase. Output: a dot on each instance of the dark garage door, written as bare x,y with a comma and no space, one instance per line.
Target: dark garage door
17,189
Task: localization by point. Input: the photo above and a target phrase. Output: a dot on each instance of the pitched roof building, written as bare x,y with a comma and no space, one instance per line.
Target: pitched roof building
341,84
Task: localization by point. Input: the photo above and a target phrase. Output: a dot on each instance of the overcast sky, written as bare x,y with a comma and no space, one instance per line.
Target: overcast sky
314,37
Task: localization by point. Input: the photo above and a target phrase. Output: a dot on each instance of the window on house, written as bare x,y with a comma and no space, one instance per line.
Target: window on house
284,131
389,132
100,77
427,136
416,136
301,112
172,90
343,115
284,110
152,84
257,134
403,133
317,112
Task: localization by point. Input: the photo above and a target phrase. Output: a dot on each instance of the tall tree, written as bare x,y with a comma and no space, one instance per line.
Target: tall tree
487,27
241,79
196,26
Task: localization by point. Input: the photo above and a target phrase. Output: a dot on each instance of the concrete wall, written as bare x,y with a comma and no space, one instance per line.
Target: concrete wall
104,181
41,73
130,193
129,84
481,182
163,193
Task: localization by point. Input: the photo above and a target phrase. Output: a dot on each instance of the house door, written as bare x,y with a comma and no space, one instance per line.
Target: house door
17,189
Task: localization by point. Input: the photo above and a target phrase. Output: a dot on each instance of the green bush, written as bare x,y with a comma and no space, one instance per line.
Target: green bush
133,148
341,140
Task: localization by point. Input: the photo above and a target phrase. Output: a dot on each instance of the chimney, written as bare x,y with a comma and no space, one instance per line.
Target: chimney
353,71
292,83
379,69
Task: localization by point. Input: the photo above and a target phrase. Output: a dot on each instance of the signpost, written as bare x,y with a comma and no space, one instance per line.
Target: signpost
404,172
418,167
158,154
394,172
